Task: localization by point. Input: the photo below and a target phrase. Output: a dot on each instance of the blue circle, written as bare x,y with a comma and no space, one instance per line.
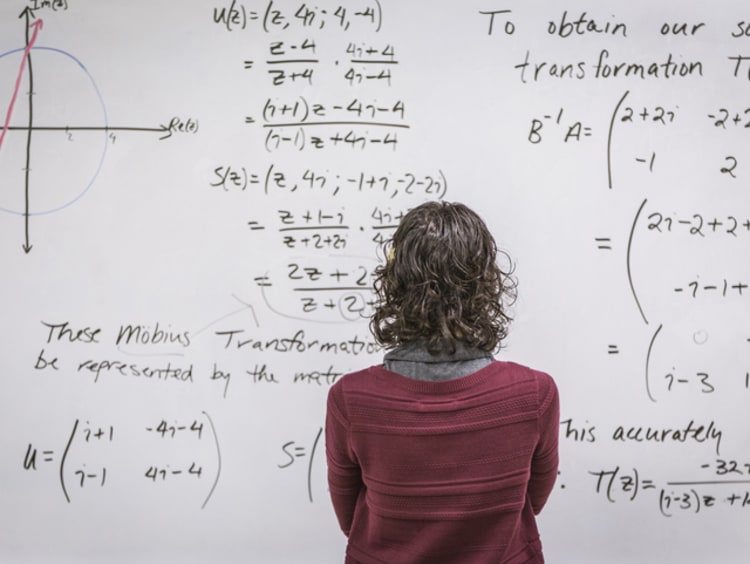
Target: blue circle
105,126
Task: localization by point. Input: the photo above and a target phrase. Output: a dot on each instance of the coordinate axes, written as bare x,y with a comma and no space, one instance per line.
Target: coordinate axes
32,30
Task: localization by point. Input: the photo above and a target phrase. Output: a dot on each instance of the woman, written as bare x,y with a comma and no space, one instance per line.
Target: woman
442,454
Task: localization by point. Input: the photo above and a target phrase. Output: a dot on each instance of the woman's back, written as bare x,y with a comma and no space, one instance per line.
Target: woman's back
447,471
442,454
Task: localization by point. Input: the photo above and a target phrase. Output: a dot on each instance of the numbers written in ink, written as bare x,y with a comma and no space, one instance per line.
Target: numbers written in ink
170,430
315,241
728,118
313,229
723,288
723,467
161,473
698,225
323,288
358,277
340,16
354,76
304,112
237,16
701,379
299,139
274,180
657,114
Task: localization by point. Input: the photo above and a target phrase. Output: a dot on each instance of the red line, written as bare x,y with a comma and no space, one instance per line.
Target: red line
36,26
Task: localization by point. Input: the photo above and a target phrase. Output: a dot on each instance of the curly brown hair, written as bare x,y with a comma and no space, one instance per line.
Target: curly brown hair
441,283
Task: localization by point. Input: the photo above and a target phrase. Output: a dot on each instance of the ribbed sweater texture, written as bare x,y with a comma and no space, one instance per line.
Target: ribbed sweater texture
449,471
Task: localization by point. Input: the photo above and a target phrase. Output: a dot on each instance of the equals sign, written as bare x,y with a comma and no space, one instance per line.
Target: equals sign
248,64
603,243
249,119
48,455
255,226
612,349
262,281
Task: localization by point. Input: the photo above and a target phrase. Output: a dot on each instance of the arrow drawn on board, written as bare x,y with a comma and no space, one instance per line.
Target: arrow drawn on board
32,33
25,59
161,129
37,25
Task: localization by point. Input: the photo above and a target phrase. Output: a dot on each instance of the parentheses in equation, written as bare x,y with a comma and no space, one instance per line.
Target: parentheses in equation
628,259
635,484
244,16
264,113
648,363
244,177
697,500
307,108
299,139
269,137
611,483
218,459
64,457
380,15
310,464
268,179
609,138
266,15
441,195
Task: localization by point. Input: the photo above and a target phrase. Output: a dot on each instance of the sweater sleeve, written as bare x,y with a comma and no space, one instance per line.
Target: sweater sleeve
344,473
545,459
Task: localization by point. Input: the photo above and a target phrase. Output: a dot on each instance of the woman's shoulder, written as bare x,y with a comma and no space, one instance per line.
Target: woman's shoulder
522,374
359,378
523,371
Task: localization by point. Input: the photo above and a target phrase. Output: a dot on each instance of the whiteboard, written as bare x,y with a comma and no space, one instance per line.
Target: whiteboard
191,200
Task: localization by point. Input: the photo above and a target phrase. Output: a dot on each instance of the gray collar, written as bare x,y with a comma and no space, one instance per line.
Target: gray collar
413,360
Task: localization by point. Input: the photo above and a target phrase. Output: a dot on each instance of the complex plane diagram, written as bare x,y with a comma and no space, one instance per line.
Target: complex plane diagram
51,152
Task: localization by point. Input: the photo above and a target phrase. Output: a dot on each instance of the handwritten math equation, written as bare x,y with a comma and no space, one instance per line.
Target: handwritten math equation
87,460
727,486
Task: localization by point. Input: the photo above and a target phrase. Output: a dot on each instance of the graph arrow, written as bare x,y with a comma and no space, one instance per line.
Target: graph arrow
26,59
36,26
31,35
160,129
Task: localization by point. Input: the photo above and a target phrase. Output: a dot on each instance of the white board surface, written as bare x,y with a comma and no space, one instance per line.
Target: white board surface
191,199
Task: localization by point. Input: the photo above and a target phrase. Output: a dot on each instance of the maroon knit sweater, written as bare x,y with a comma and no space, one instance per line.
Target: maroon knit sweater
442,472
